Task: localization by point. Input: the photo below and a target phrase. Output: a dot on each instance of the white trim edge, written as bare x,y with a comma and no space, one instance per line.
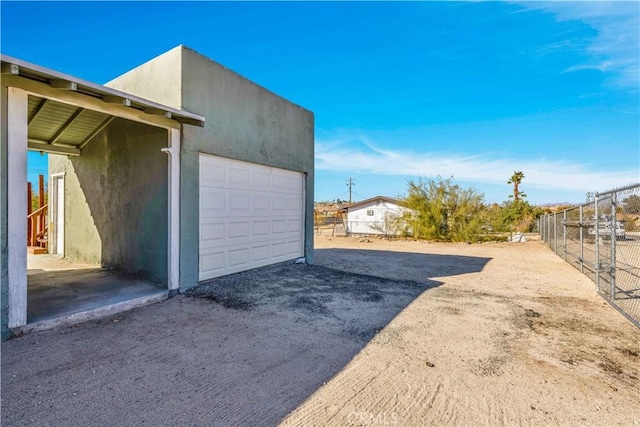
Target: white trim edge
17,131
173,255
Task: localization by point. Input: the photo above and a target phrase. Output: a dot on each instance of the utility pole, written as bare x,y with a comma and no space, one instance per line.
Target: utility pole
350,184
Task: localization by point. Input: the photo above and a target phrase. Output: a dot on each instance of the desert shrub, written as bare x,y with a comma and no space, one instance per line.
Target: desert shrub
438,209
513,215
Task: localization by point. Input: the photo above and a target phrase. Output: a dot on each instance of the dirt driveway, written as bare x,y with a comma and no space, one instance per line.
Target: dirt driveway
378,333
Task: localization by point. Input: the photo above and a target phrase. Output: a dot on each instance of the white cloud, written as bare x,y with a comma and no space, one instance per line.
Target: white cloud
340,155
615,47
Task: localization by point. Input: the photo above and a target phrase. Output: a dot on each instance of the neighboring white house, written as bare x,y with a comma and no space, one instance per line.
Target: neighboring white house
377,215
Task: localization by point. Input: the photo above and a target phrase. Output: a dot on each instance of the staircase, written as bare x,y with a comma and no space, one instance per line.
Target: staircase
37,236
37,225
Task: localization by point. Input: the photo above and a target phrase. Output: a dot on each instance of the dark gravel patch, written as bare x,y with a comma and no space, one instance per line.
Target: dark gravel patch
300,285
311,293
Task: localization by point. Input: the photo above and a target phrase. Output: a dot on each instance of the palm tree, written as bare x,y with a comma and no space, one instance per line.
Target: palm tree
516,179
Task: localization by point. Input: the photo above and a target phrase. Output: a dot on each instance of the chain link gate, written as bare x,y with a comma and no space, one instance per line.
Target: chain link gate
601,238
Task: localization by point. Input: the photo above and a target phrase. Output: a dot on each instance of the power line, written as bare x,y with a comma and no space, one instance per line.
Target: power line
360,195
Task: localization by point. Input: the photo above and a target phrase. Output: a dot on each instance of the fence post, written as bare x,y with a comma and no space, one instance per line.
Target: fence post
548,221
597,241
555,232
581,243
614,238
564,235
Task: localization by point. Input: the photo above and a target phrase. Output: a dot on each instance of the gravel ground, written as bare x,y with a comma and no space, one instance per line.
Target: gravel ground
377,333
355,306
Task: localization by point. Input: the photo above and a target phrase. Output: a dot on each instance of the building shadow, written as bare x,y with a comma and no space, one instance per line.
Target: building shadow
392,265
245,349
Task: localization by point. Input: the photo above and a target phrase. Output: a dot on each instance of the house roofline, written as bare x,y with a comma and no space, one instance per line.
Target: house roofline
383,198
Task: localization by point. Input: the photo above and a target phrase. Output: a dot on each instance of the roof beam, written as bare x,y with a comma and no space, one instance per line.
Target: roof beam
63,84
12,69
112,99
38,110
157,112
64,127
89,102
45,147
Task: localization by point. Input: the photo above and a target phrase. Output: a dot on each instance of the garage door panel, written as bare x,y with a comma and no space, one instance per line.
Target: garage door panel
279,249
295,246
212,174
260,228
232,260
261,253
239,202
212,262
261,179
279,203
240,177
295,203
295,225
239,257
278,226
295,184
210,232
240,242
278,182
239,230
261,203
212,199
250,216
223,232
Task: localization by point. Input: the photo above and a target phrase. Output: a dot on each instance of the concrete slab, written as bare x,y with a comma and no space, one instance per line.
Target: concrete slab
57,288
48,262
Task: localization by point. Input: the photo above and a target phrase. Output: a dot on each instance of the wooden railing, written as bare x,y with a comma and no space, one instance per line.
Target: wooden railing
37,228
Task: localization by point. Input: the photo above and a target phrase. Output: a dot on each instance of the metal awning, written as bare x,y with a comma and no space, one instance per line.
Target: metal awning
56,126
65,128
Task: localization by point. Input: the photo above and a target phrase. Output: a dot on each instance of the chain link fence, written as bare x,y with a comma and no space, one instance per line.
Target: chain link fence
601,238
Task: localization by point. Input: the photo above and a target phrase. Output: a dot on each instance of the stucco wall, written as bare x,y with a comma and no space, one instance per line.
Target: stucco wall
82,240
116,200
4,253
157,80
243,121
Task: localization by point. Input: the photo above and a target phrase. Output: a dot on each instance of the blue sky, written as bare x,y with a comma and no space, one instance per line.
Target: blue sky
399,90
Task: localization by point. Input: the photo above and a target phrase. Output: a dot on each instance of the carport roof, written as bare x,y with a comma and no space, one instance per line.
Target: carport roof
65,128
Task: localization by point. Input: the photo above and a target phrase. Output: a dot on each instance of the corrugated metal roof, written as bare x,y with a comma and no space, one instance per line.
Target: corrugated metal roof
36,72
65,128
59,124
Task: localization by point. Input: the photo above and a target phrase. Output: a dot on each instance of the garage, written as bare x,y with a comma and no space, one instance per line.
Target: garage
234,193
251,215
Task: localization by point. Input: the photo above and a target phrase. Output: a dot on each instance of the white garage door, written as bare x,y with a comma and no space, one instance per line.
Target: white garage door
250,215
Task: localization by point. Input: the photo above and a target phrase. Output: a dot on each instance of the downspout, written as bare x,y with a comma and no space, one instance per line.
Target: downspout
173,243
